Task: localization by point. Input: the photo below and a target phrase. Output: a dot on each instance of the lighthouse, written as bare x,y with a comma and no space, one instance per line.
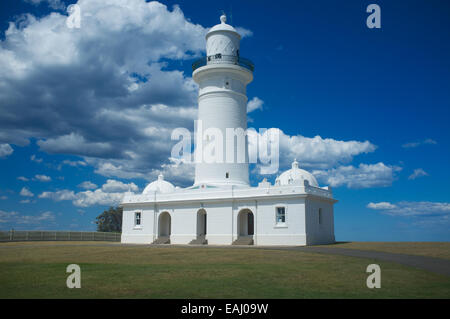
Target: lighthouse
221,207
222,77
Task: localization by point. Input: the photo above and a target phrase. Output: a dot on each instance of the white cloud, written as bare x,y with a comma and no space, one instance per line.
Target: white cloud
255,104
5,150
54,4
74,143
418,172
408,209
314,152
88,185
97,197
381,205
59,195
91,112
244,32
111,193
35,159
74,163
43,178
363,176
23,178
113,186
3,197
26,192
418,143
18,218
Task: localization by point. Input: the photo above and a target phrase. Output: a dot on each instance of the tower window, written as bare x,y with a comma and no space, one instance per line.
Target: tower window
281,215
227,175
137,218
320,216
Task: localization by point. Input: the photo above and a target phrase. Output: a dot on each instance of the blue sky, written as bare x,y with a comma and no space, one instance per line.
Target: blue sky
365,110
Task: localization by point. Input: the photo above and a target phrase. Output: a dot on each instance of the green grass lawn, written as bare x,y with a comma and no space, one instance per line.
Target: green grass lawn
429,249
37,270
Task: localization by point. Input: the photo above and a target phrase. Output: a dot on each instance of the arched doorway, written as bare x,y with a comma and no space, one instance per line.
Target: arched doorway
246,223
201,223
164,225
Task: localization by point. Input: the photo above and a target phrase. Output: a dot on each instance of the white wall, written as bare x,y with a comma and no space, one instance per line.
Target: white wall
292,232
322,233
300,228
131,233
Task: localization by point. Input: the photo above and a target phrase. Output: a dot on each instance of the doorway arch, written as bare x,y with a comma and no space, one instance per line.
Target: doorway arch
201,223
246,223
164,225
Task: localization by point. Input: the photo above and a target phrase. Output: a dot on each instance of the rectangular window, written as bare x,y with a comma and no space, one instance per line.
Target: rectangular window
137,218
320,215
281,215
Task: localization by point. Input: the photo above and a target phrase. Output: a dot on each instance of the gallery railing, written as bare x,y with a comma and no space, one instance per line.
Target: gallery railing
223,59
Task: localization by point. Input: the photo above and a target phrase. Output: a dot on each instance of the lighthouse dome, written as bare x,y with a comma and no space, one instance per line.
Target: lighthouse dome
297,176
222,39
223,26
159,186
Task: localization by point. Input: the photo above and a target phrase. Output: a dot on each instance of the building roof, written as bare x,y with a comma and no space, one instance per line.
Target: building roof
159,186
222,26
297,175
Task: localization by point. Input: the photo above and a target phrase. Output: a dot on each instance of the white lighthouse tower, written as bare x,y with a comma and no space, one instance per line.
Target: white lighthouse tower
222,77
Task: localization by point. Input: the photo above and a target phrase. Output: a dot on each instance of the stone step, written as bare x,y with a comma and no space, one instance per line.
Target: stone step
162,240
244,240
199,241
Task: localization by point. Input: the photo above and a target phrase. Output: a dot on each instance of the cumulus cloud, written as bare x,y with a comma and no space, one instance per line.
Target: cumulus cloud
35,159
43,178
88,185
244,32
407,209
113,186
418,172
111,193
54,4
59,195
254,104
419,143
5,150
23,178
381,205
315,152
103,91
362,176
26,192
74,163
18,218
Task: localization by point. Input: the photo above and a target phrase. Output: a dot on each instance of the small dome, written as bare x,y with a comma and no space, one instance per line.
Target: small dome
159,186
223,26
297,176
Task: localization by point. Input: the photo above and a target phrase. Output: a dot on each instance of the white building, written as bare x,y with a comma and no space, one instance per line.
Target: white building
221,208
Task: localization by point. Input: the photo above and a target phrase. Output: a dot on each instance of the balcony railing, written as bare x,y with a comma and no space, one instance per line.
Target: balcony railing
223,59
